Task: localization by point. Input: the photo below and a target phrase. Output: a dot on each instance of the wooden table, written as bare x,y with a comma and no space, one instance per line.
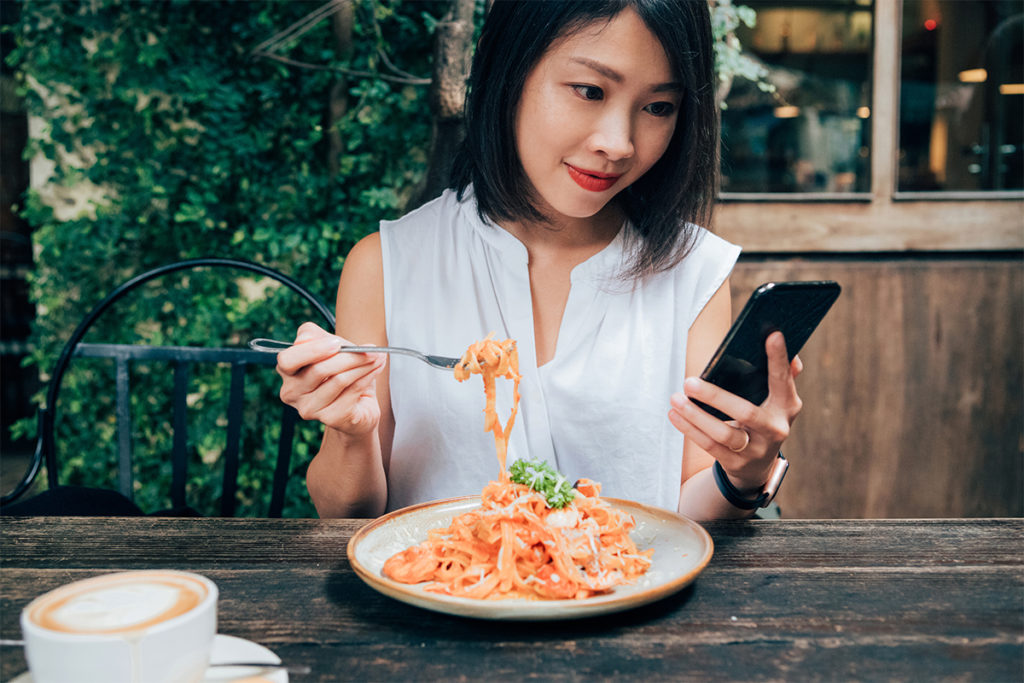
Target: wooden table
907,600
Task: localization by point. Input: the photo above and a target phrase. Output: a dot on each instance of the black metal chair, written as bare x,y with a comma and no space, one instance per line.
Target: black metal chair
181,358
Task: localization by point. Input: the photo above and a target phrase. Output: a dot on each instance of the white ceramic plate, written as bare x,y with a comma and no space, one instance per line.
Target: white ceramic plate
228,649
682,548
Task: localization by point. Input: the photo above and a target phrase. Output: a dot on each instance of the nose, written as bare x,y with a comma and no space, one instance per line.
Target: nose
613,135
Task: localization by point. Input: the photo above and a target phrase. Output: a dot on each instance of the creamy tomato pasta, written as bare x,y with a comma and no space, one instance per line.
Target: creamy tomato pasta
515,545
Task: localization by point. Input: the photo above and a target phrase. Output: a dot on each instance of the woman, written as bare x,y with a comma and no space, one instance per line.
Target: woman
572,227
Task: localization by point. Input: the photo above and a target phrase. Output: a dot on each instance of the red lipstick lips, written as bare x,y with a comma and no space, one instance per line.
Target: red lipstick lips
591,180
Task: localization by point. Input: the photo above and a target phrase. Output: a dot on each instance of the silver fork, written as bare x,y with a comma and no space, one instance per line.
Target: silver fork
439,362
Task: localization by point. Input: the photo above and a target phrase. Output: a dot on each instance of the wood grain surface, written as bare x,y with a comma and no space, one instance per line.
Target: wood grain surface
901,600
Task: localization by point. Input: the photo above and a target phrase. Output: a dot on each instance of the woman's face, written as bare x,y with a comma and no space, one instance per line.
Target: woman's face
596,112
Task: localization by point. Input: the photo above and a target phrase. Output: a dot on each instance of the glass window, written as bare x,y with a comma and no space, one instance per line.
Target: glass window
812,134
962,95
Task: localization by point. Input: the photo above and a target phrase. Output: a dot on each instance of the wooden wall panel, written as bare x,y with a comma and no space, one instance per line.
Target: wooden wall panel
913,388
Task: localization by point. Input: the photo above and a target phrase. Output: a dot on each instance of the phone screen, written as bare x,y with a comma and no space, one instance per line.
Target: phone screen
740,365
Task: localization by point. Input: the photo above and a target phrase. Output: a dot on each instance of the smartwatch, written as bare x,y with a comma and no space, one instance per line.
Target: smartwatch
733,495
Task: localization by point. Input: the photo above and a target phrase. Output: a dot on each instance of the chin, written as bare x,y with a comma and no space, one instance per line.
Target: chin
585,206
567,200
580,212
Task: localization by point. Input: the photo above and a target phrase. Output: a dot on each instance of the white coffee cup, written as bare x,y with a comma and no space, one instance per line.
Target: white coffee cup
154,626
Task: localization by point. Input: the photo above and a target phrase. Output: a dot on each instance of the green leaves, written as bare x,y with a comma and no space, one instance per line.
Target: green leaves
545,480
169,140
730,60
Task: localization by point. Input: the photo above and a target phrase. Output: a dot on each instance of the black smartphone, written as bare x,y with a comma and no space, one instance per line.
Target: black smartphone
740,365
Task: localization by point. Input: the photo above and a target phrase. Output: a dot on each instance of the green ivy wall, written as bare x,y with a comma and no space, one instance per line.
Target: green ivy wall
168,139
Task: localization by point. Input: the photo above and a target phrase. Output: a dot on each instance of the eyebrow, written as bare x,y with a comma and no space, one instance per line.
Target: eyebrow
614,75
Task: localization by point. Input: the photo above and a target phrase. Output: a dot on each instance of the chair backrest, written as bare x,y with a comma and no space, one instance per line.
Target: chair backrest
181,359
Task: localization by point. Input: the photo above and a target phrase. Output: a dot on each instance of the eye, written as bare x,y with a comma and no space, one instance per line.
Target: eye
660,109
589,92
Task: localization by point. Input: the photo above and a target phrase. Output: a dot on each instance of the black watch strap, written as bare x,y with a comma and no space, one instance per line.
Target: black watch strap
733,495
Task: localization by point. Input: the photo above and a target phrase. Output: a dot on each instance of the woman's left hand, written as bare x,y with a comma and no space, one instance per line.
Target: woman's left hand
748,445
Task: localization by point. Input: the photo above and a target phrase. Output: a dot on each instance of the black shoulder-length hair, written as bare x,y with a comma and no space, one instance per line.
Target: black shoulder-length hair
664,204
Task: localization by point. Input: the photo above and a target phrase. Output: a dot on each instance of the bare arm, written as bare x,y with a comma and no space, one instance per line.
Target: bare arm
347,392
698,495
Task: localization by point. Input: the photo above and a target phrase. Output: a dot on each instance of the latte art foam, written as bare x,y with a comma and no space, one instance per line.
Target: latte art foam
119,604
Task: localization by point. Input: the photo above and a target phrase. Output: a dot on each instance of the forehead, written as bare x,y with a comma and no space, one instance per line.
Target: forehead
623,42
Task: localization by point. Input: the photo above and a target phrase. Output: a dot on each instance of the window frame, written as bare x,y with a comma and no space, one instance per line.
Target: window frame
884,219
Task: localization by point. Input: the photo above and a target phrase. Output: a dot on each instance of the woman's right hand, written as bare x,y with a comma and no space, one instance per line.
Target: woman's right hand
338,389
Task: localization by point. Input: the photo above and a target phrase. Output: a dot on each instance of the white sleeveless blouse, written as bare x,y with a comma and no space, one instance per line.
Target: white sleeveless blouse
598,409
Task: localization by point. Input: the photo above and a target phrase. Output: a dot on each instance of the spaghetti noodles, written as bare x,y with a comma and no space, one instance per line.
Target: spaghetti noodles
492,359
515,545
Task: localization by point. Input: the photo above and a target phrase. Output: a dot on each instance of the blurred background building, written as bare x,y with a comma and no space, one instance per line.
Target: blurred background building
887,152
958,121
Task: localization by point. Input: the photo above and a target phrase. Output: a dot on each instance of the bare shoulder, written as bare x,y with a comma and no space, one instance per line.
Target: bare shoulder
364,259
360,303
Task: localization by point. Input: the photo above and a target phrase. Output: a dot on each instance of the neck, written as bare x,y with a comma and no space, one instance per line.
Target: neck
569,233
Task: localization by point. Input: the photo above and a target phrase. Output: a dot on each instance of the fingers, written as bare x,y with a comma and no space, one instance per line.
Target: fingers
314,345
329,374
305,353
710,433
324,384
741,451
346,400
338,392
309,330
719,398
747,446
782,373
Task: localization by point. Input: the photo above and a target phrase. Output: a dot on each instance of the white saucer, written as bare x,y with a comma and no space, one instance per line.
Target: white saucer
234,649
227,649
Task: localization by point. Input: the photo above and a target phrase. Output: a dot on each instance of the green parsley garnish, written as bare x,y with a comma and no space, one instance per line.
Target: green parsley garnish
545,480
